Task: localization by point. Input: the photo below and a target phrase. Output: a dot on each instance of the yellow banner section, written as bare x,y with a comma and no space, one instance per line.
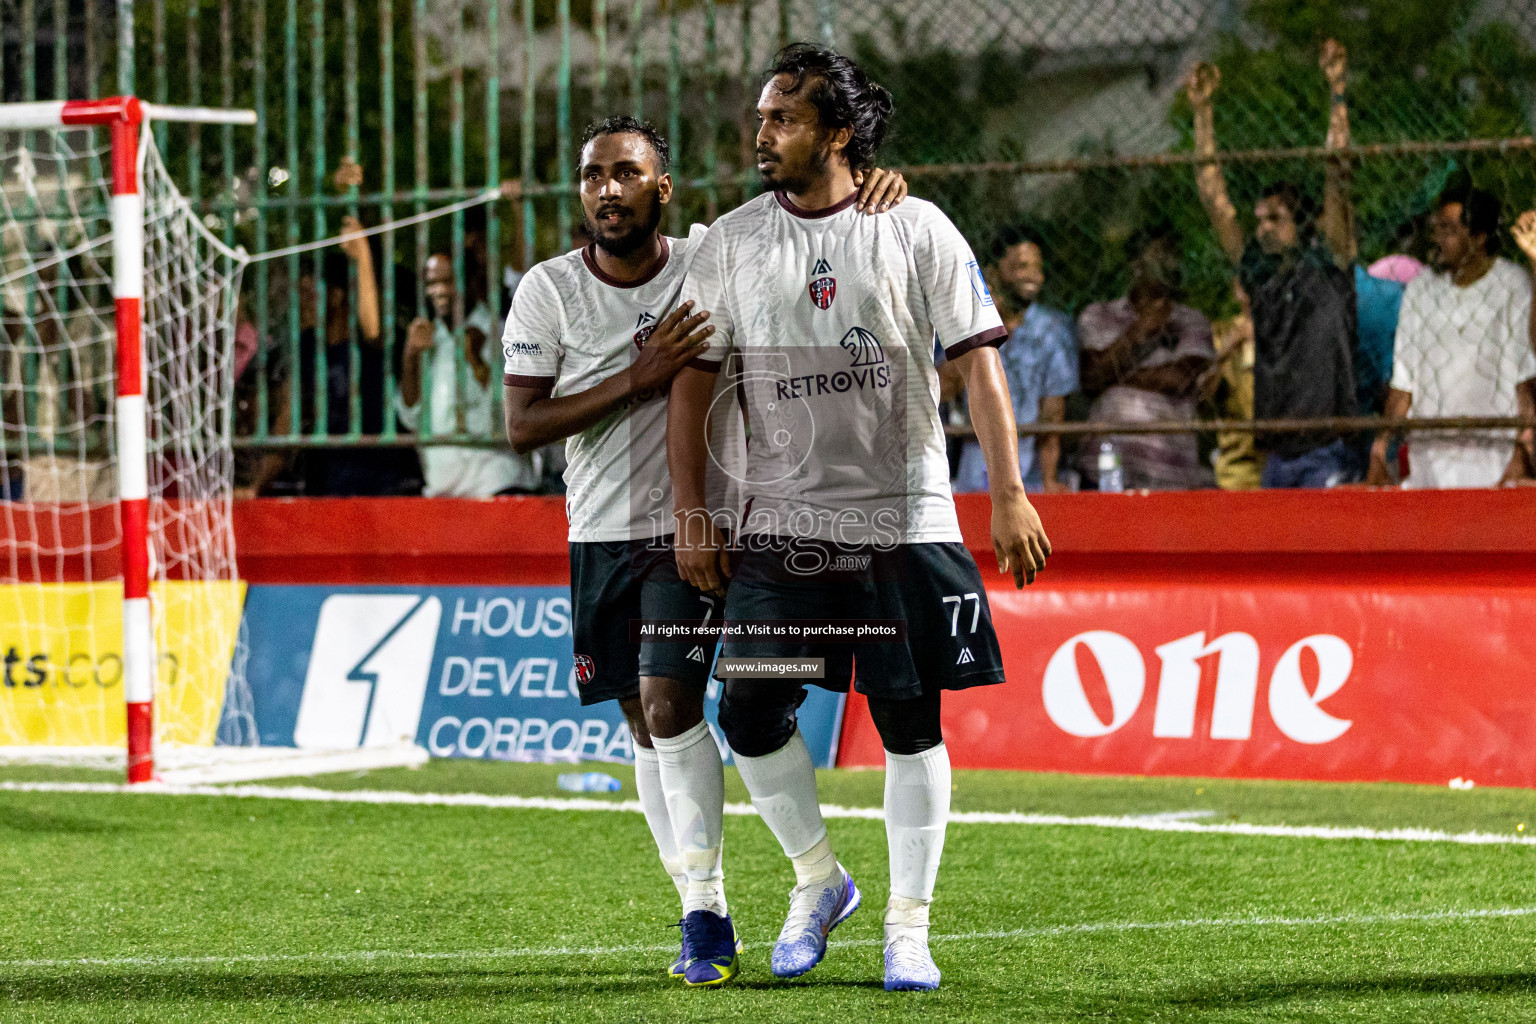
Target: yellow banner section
61,661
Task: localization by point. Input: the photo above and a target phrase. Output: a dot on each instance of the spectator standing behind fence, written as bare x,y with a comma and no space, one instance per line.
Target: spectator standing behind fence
458,471
1303,303
1040,361
324,321
1464,342
1143,355
1378,289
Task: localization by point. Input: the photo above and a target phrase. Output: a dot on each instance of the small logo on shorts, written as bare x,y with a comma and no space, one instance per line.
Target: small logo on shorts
585,669
966,657
697,654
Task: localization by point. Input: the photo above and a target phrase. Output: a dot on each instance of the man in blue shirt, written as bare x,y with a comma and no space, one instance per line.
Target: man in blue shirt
1040,359
1377,302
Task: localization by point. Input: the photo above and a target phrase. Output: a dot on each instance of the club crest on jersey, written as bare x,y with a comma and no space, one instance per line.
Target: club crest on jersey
864,347
585,669
645,327
823,289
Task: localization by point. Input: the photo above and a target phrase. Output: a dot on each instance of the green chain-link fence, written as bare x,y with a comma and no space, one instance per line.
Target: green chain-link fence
1067,115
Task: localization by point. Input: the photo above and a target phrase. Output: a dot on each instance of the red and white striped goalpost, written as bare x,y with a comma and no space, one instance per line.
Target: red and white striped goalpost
124,116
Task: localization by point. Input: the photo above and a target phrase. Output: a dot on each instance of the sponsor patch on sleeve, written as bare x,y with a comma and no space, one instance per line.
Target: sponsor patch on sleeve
979,283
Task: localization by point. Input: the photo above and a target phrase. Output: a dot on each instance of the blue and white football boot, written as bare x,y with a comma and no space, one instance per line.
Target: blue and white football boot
814,910
680,965
909,967
711,944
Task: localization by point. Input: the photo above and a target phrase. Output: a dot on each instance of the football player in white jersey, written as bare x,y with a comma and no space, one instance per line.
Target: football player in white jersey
834,317
591,345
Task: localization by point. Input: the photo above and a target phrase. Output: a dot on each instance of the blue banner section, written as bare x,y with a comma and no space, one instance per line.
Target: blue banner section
485,672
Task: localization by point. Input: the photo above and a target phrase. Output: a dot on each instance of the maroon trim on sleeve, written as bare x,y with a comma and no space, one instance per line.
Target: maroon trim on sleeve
590,259
706,365
994,336
789,206
517,380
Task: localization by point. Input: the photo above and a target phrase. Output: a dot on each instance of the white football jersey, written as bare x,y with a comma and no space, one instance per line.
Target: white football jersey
572,327
834,315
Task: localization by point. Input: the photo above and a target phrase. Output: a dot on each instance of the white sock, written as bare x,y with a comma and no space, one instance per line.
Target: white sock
694,785
816,864
783,788
654,802
904,916
916,811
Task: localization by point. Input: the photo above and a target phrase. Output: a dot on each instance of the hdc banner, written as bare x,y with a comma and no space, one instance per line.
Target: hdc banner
482,672
1408,685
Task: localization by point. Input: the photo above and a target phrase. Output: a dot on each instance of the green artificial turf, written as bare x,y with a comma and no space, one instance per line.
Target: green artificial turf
158,908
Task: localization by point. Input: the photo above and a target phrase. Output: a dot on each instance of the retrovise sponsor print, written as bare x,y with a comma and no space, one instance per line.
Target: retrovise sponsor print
867,369
838,373
572,327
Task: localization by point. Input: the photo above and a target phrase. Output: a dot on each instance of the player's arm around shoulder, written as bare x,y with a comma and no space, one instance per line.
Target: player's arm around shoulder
534,418
879,190
1018,536
697,542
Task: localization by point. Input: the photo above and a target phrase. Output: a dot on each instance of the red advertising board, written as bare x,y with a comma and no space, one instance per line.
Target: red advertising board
1410,684
1345,634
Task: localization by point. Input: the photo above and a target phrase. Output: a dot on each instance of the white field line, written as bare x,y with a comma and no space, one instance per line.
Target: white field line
1174,821
1011,934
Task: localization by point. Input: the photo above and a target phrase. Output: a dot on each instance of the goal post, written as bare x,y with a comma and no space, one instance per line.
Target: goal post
43,296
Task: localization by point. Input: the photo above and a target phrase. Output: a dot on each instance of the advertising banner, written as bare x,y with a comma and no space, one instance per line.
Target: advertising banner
1304,682
61,661
480,672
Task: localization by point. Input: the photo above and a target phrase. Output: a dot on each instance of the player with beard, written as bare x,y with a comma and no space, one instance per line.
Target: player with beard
591,345
834,317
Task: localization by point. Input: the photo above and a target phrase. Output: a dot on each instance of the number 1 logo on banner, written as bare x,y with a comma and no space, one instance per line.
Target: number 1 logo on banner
368,671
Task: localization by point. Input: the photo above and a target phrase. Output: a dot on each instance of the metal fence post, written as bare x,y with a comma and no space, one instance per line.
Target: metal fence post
493,180
387,207
525,164
125,79
456,227
563,128
826,21
263,342
317,193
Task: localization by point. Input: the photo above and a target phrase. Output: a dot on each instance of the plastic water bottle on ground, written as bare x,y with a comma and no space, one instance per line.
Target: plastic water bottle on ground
1111,475
588,782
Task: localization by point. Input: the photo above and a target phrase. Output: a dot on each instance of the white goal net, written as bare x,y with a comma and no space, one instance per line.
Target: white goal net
61,529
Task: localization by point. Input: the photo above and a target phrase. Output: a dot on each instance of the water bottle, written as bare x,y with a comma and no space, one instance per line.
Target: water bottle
588,782
1111,476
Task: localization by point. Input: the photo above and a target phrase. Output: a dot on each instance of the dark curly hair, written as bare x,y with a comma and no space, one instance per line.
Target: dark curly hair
1481,211
623,124
842,94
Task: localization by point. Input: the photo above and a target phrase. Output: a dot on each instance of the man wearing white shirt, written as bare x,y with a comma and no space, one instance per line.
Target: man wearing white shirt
848,511
1463,348
458,471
